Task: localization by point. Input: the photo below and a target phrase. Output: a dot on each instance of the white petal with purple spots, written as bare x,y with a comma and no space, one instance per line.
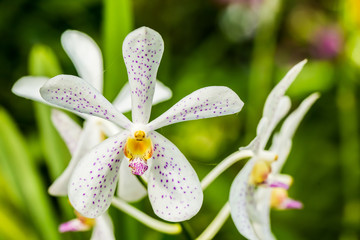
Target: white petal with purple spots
68,129
204,103
77,95
173,186
142,51
86,56
89,138
93,182
239,201
123,100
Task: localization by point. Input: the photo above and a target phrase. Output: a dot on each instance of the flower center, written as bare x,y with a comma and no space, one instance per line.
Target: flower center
260,172
138,149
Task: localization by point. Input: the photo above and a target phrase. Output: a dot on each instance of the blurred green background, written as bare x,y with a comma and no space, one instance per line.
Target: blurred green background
247,45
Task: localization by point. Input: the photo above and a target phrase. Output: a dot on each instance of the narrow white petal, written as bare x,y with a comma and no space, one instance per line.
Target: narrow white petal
103,228
262,225
279,90
142,51
93,182
174,188
238,200
68,129
86,56
204,103
28,87
281,110
123,100
282,142
130,189
90,137
77,95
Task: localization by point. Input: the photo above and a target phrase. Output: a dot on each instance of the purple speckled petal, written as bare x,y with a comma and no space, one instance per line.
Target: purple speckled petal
103,228
123,100
93,182
204,103
77,95
173,186
129,188
74,225
142,51
68,129
28,87
89,138
86,56
239,201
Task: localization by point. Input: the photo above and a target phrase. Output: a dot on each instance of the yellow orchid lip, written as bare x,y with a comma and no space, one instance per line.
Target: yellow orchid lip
138,149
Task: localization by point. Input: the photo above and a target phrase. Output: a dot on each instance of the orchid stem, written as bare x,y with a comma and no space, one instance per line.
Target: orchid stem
187,230
216,224
169,228
225,164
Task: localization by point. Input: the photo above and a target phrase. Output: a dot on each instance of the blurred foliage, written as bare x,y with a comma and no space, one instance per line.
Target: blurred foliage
247,45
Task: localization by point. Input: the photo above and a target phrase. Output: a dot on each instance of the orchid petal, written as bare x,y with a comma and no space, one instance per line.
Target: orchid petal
90,137
239,201
74,225
28,87
173,186
86,56
262,224
204,103
123,100
282,141
103,228
130,189
92,184
77,95
68,129
279,90
142,51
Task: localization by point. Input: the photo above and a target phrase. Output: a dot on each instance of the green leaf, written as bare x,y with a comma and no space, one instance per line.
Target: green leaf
43,62
15,153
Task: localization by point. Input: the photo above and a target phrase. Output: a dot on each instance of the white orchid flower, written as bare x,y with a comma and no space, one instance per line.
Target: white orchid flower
252,188
87,58
173,186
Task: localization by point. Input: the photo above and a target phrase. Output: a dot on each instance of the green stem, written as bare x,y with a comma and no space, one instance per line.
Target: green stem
216,224
169,228
223,165
187,230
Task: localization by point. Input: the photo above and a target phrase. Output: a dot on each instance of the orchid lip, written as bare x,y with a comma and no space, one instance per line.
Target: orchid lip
292,204
139,166
279,185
